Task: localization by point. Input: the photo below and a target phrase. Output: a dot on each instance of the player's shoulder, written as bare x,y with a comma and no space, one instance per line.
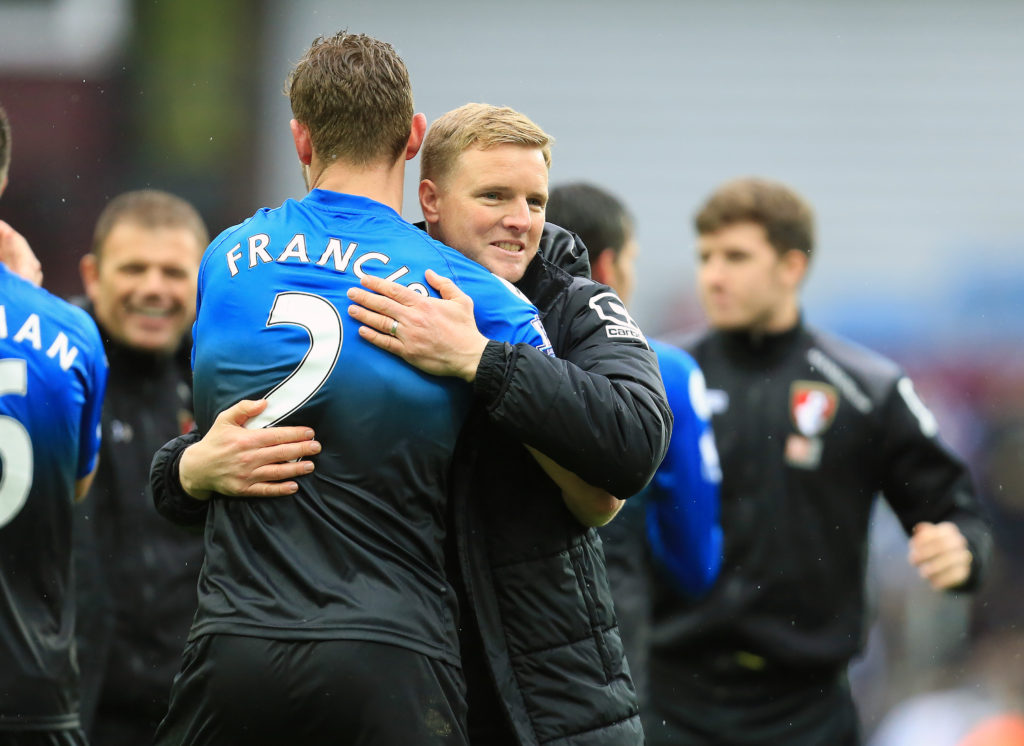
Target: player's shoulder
73,321
855,358
265,215
865,376
598,308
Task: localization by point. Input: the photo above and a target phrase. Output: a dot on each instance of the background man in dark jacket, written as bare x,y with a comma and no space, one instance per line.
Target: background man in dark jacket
810,428
136,573
540,644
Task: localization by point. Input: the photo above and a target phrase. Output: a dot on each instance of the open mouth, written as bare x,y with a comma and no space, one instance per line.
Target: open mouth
509,246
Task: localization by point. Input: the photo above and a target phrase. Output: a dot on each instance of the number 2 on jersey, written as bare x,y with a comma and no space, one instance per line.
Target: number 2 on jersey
15,445
320,319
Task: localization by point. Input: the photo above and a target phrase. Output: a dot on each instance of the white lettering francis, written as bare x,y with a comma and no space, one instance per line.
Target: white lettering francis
336,255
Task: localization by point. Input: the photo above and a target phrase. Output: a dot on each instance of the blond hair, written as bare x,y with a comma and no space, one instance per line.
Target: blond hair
353,93
477,125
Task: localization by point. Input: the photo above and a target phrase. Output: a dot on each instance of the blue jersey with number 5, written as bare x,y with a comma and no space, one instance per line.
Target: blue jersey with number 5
53,374
357,554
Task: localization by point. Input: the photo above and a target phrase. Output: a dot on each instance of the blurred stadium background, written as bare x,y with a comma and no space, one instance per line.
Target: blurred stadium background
901,121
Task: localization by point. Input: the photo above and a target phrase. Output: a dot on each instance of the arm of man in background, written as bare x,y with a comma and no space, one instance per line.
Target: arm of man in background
17,255
683,530
931,491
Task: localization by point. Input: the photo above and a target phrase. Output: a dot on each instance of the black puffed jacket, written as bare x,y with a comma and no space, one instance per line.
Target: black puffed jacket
534,597
534,576
810,429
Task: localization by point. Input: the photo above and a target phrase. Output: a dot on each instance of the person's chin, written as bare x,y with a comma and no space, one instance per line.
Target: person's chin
154,343
726,323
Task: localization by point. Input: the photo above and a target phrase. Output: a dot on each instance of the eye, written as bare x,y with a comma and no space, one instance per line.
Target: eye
536,202
132,269
492,196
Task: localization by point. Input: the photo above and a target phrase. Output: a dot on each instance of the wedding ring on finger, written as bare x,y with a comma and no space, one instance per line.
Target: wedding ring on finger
394,328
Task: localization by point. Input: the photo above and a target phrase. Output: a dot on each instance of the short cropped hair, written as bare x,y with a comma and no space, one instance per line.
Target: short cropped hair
149,209
482,126
787,218
595,215
353,93
5,145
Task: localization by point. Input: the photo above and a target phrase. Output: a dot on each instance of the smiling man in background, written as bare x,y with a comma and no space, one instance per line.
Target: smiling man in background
137,574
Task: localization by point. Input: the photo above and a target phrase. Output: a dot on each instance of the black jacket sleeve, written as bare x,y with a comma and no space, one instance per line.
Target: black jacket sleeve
924,480
599,408
171,501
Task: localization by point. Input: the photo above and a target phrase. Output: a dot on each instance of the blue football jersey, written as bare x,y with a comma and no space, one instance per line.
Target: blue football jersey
357,554
683,529
53,375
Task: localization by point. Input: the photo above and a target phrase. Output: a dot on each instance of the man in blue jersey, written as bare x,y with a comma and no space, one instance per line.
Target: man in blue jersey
539,642
674,522
52,378
327,618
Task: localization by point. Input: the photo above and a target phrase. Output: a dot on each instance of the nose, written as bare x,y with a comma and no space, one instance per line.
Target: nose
518,216
152,282
710,272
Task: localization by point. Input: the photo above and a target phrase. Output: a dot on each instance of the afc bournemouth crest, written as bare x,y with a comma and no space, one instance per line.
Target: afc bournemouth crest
812,407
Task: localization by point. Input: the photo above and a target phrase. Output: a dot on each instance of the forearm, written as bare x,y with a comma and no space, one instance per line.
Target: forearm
979,542
610,425
591,505
169,497
685,538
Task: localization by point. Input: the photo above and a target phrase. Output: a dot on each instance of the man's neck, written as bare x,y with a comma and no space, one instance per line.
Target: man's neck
780,321
758,333
382,182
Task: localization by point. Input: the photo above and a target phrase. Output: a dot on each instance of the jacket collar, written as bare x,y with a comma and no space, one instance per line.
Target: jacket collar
761,348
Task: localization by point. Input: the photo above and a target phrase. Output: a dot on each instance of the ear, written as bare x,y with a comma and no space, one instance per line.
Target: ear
794,266
430,197
416,135
89,269
303,143
602,269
